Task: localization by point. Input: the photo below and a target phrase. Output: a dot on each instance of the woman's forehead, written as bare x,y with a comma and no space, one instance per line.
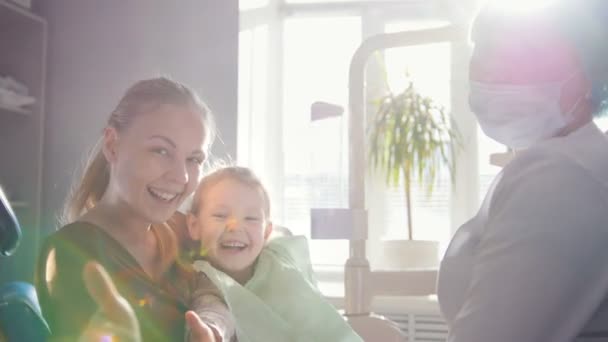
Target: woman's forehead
182,125
524,56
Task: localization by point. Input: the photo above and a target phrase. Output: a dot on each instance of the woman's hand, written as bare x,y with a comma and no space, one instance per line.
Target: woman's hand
199,330
115,317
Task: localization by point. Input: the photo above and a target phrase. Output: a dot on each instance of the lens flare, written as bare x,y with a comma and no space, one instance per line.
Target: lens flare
519,5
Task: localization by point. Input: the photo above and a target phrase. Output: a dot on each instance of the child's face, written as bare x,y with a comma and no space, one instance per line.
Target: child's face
232,226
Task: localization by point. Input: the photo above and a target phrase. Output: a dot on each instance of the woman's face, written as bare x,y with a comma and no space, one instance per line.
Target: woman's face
156,161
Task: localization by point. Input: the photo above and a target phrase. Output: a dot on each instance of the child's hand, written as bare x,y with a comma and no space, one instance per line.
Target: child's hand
199,330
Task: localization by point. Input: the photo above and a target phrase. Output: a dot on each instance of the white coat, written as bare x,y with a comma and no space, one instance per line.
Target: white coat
532,265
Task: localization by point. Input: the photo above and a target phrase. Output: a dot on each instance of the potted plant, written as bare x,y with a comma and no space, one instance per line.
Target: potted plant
411,136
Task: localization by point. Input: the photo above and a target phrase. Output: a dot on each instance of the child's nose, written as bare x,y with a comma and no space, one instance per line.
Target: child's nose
232,224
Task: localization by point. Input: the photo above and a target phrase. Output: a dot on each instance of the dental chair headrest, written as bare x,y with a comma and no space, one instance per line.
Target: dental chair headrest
10,233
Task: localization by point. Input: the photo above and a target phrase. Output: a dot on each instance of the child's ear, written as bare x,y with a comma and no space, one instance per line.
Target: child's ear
268,231
193,226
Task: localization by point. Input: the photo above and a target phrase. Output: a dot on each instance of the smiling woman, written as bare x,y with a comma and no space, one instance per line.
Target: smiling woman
147,161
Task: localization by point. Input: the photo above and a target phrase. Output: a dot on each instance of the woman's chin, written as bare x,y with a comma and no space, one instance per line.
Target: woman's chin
160,218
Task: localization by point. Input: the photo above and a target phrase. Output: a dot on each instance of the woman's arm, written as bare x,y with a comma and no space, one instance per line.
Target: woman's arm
206,301
213,313
114,318
64,300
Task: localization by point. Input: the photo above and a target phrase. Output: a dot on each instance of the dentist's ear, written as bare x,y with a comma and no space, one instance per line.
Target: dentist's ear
268,230
193,226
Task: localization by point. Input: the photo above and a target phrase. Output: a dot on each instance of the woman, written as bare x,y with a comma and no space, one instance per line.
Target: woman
148,161
532,265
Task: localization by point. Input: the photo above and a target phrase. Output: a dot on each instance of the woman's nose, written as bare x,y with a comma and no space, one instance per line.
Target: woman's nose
179,173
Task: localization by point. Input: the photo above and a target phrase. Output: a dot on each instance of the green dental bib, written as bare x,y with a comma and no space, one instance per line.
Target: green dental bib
281,301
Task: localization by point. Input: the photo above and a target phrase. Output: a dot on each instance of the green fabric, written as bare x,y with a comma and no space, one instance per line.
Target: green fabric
281,302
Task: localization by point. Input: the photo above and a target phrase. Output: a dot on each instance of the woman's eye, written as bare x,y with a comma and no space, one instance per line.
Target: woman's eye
196,160
161,151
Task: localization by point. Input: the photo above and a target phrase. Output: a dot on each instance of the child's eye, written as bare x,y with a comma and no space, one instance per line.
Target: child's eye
252,219
219,216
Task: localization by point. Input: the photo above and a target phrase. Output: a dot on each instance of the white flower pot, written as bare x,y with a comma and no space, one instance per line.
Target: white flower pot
403,254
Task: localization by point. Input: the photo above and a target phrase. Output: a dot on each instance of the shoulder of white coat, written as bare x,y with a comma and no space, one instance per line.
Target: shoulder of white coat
543,186
539,164
583,152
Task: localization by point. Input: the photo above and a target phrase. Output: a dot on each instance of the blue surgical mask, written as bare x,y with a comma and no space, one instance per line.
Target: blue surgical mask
519,115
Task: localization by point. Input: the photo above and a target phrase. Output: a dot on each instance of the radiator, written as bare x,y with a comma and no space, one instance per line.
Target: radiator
418,317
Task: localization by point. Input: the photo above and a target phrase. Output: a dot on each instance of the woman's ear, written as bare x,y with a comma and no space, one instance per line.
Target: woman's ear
268,230
193,226
110,144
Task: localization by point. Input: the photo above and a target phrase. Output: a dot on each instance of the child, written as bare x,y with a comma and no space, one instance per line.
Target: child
268,284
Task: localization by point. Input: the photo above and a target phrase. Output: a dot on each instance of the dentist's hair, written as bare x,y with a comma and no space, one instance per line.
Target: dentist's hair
582,24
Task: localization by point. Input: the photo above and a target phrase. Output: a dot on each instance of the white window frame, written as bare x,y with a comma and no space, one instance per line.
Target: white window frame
464,198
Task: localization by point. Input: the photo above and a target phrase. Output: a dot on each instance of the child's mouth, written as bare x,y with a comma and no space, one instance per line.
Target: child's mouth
233,245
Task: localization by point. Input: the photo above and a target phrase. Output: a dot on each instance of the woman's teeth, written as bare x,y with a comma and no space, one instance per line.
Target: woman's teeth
162,195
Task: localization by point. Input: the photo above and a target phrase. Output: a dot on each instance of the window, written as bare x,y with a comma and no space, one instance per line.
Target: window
602,123
429,68
253,97
304,163
314,1
333,1
252,4
317,53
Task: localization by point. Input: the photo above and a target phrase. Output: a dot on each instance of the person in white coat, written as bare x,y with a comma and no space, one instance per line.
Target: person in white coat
532,265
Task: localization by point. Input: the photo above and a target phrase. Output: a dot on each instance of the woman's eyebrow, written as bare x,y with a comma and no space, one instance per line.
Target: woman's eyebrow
199,153
164,138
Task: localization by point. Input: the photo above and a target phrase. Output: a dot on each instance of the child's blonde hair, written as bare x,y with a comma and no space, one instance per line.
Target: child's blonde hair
238,173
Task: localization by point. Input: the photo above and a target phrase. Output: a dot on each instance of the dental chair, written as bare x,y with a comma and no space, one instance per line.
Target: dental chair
20,315
361,283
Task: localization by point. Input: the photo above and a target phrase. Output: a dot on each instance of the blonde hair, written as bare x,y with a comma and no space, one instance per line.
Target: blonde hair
238,173
144,96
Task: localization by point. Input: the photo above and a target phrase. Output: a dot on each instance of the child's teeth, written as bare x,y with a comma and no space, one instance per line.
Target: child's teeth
233,244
